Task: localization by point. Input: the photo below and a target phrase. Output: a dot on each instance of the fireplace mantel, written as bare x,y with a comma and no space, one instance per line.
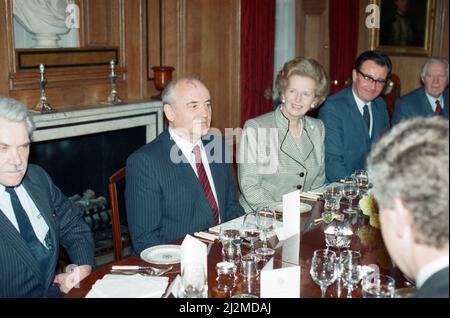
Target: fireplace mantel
77,121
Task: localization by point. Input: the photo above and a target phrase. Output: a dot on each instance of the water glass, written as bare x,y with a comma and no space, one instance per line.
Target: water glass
193,282
362,181
231,243
332,196
378,286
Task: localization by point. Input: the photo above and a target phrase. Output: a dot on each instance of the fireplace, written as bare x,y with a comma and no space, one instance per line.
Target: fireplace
81,148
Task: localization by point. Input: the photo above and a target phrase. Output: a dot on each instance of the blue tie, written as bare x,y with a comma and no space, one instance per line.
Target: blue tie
40,253
366,116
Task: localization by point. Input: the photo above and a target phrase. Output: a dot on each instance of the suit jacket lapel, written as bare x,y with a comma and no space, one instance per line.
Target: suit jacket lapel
188,175
17,243
354,116
446,106
37,193
427,111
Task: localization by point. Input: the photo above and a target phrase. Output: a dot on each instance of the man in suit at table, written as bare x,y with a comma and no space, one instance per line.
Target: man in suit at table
180,182
356,117
429,100
410,176
35,218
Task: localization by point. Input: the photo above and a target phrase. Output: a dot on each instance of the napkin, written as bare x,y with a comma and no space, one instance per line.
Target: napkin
193,253
128,286
291,216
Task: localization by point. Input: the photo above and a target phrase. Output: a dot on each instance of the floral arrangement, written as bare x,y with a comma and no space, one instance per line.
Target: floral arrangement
369,207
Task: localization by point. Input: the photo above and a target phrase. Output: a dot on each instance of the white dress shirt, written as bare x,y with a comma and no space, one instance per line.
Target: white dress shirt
433,100
428,270
360,105
186,148
38,223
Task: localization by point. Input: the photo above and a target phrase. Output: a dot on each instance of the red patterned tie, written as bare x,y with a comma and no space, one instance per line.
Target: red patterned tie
203,178
438,110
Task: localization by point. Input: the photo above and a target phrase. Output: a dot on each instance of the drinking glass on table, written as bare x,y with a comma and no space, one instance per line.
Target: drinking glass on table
350,191
332,196
265,220
193,282
362,180
230,238
323,269
250,231
378,286
350,264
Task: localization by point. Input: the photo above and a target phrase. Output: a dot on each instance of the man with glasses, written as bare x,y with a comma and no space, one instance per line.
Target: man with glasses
356,117
429,100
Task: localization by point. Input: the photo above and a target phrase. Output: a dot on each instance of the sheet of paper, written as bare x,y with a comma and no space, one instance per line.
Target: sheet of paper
280,283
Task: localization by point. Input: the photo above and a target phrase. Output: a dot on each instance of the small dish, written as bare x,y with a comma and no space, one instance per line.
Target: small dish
162,254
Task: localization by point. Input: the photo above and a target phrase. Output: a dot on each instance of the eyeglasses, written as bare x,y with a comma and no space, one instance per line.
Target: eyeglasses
371,80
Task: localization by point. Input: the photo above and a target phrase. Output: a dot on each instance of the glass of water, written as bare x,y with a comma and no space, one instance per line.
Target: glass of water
193,282
323,269
231,243
378,286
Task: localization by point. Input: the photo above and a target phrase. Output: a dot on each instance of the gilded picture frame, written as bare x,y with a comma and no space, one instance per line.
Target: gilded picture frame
406,27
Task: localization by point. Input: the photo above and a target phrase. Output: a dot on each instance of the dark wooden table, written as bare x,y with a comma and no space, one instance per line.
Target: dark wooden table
366,239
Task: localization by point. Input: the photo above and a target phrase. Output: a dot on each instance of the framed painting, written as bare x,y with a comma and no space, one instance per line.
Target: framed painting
406,27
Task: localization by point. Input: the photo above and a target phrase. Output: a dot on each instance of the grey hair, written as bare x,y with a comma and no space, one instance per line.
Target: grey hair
431,60
168,94
13,110
411,163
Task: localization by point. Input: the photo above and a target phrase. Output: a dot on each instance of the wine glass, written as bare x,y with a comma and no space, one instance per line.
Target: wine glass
362,180
265,220
323,269
350,191
350,264
249,231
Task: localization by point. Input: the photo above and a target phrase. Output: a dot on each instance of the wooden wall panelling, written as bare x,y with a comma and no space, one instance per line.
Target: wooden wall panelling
408,67
202,37
213,53
135,48
312,30
101,18
66,86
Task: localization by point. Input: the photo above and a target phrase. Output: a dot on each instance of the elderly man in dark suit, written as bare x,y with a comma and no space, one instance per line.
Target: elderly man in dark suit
35,218
409,172
181,182
429,100
356,117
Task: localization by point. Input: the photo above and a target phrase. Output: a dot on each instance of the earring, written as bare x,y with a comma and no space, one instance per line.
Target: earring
313,105
283,100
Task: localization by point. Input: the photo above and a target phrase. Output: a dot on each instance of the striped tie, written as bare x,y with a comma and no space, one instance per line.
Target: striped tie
438,109
203,178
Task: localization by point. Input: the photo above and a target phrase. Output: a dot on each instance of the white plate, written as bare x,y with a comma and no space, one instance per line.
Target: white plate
162,254
303,207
